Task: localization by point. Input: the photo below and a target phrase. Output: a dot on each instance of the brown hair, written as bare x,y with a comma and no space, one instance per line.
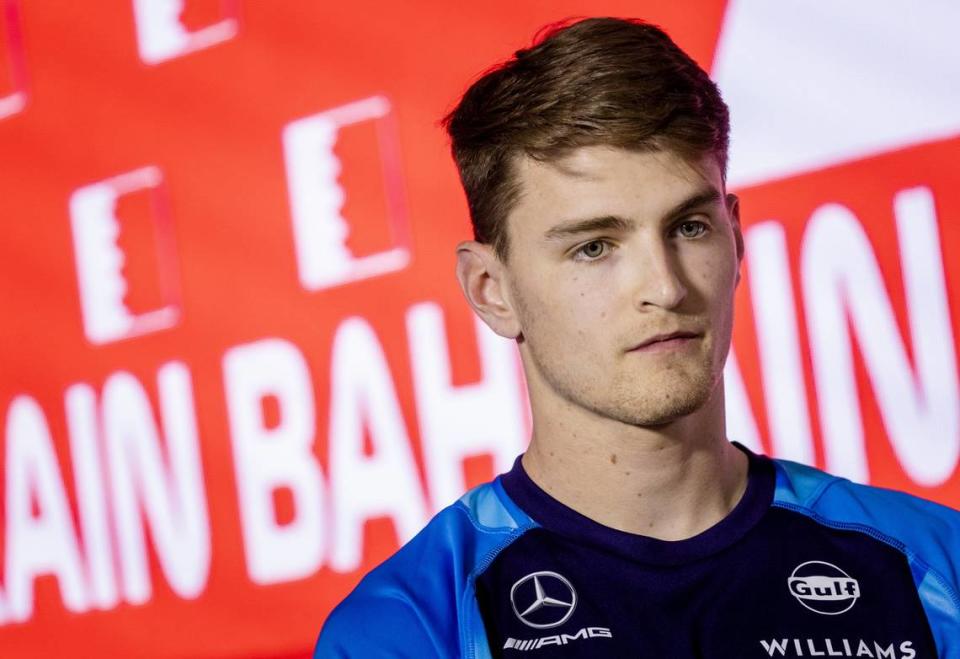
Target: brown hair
610,81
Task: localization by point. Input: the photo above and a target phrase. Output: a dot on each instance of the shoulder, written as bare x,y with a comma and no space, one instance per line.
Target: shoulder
420,601
916,525
927,533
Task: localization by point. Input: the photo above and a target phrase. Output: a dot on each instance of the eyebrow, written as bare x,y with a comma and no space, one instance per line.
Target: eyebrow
703,197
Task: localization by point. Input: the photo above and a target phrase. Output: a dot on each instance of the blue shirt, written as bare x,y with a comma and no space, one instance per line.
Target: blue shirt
805,565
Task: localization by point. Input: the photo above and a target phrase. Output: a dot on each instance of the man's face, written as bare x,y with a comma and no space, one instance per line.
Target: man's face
609,248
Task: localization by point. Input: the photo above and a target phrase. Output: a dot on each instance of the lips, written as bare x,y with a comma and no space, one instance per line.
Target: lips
665,337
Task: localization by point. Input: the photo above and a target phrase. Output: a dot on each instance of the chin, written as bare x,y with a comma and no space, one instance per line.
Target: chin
663,404
664,414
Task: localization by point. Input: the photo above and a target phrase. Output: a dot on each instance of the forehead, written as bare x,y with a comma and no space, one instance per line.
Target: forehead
600,180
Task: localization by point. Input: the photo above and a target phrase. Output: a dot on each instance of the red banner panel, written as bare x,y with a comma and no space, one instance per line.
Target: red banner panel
237,370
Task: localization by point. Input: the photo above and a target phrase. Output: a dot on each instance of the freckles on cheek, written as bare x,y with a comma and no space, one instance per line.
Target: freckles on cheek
711,272
590,310
578,300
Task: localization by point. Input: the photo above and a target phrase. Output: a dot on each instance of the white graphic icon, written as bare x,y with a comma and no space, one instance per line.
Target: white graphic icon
103,287
13,97
543,599
161,34
823,588
317,196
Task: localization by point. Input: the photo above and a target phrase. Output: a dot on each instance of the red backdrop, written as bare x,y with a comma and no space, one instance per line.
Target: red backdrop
237,370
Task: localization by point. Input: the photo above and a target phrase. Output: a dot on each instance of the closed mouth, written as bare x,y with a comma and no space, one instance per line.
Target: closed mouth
666,337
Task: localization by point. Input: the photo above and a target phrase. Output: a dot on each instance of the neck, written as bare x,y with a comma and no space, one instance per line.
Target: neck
669,482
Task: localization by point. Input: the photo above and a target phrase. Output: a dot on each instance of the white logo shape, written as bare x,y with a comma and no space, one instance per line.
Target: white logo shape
100,260
823,588
559,599
162,36
317,197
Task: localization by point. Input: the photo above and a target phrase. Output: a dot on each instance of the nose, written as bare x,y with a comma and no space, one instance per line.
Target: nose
656,277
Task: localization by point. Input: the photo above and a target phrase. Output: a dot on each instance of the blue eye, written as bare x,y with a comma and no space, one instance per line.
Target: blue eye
699,229
591,251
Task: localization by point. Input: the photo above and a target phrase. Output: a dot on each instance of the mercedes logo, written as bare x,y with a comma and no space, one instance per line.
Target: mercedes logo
546,599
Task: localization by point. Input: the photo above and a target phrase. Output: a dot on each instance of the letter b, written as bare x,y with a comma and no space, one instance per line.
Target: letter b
268,458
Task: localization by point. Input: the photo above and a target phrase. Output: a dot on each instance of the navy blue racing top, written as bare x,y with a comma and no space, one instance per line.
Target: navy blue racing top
805,565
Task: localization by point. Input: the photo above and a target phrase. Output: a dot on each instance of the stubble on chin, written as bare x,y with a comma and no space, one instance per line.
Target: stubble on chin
658,402
618,393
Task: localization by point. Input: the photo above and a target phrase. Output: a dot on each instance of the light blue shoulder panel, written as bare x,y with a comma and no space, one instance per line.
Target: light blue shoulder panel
927,533
420,603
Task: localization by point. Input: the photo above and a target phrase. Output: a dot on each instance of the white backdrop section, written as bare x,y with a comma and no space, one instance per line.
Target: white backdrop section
812,84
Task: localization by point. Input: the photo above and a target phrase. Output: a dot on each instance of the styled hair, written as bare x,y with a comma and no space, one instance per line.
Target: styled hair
597,81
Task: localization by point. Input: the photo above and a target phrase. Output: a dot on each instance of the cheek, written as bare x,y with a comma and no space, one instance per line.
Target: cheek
586,297
715,278
568,308
714,273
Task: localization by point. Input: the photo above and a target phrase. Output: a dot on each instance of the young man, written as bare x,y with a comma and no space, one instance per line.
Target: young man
607,246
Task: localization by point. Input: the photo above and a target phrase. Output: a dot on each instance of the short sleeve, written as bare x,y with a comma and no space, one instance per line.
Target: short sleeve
370,626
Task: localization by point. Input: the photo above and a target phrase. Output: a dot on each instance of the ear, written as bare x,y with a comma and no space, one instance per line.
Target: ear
483,279
733,212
